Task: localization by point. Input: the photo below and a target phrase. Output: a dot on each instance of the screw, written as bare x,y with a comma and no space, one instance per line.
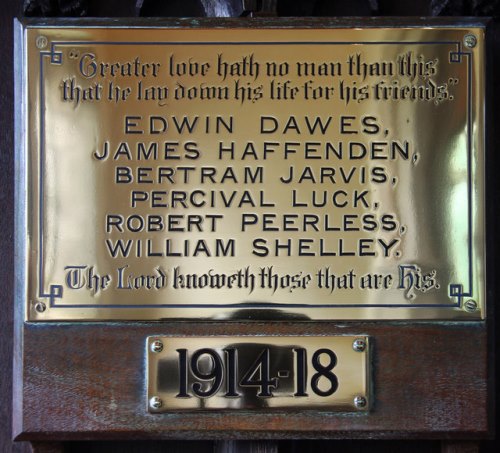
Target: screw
40,307
470,306
359,345
156,346
41,42
470,41
360,402
155,402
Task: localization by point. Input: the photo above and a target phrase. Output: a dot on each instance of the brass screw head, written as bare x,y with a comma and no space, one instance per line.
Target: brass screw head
360,402
40,307
470,41
155,402
41,42
156,346
470,306
359,345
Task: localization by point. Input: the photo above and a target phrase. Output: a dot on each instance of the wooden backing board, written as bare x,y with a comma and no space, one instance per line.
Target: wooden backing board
88,381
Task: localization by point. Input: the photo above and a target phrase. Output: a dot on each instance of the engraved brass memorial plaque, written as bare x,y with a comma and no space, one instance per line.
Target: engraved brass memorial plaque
278,173
258,372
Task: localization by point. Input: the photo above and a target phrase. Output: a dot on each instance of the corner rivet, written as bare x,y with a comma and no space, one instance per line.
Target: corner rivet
41,42
360,402
40,307
470,41
359,345
156,346
470,306
155,402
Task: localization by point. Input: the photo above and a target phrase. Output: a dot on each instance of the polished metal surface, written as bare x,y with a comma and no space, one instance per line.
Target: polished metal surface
259,372
286,174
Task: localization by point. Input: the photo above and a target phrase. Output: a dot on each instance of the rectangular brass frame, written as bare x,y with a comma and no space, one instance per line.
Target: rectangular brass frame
438,198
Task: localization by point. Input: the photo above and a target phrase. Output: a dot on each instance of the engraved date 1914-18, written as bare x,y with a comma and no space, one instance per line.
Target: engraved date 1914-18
221,366
253,372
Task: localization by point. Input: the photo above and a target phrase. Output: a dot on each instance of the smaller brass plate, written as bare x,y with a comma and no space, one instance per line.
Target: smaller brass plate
258,372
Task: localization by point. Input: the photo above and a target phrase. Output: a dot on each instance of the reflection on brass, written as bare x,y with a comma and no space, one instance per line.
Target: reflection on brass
258,372
254,174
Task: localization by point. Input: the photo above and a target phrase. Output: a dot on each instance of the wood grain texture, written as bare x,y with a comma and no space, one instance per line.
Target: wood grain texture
84,381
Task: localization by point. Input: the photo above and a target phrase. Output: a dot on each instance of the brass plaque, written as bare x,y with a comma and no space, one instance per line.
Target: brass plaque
258,372
254,173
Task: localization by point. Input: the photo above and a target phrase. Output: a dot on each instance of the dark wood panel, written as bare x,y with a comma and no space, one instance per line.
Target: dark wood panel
90,378
9,9
120,334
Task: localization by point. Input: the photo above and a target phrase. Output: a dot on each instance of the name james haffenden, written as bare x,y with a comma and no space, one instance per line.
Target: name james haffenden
331,178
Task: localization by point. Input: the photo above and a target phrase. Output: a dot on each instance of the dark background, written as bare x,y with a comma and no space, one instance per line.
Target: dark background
184,8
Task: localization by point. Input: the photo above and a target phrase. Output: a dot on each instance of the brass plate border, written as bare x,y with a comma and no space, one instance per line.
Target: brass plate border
352,371
461,310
